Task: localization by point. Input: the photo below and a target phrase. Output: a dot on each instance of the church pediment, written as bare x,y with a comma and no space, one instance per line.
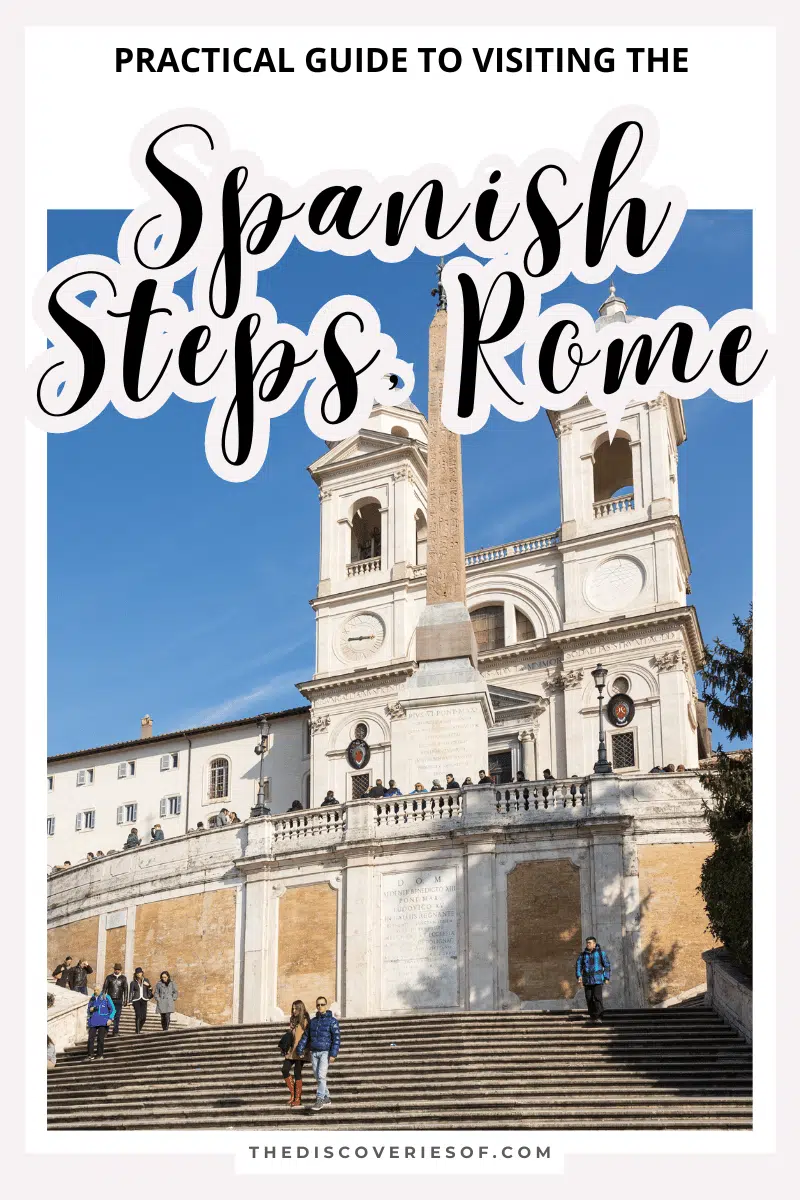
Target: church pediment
508,703
361,445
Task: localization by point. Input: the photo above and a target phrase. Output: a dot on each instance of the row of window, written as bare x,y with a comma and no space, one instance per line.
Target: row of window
217,778
169,806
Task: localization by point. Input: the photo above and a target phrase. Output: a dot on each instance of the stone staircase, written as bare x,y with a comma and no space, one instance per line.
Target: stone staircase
678,1068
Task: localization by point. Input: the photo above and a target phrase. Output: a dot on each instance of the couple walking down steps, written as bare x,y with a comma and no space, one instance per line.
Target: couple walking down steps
316,1039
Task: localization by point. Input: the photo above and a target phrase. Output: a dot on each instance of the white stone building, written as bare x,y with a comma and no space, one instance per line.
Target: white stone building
609,585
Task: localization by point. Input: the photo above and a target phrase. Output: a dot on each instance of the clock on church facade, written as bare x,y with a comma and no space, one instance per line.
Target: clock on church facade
361,636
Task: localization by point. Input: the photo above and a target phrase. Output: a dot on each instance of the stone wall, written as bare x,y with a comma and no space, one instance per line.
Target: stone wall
307,945
192,937
78,938
115,949
544,929
673,918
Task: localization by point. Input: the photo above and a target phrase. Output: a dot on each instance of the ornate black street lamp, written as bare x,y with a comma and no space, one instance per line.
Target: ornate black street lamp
602,766
260,808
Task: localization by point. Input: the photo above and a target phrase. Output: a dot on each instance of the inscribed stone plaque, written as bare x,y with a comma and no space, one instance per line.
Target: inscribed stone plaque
419,939
446,737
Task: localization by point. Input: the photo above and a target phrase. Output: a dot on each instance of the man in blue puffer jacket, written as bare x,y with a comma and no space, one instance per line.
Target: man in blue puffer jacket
323,1036
593,969
99,1014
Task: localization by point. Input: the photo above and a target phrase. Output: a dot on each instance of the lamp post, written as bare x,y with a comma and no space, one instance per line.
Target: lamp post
260,808
602,766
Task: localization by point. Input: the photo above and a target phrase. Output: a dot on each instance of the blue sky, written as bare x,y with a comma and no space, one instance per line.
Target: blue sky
174,593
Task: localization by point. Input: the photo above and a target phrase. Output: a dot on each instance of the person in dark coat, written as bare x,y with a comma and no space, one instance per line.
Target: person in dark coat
392,790
116,985
157,834
296,806
593,969
323,1039
292,1065
100,1012
138,995
133,840
378,791
484,779
79,976
329,799
166,995
61,973
450,781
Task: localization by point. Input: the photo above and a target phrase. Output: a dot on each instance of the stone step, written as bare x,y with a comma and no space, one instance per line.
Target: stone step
639,1070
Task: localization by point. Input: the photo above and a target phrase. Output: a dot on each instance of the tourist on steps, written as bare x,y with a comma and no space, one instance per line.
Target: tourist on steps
166,995
100,1012
140,992
79,976
116,984
593,969
61,972
292,1065
323,1038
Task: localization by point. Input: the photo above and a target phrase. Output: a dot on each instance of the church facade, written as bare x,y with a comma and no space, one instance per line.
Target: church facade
476,897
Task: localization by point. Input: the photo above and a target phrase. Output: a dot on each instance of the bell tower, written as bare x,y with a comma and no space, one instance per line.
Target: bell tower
621,534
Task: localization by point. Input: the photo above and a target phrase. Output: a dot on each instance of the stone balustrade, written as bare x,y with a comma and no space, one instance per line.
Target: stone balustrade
614,506
200,856
364,566
512,549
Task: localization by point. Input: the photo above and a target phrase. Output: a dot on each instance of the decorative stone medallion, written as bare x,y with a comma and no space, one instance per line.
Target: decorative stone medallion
614,583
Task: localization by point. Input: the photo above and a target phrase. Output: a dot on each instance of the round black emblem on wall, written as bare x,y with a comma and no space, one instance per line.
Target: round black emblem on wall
358,753
620,710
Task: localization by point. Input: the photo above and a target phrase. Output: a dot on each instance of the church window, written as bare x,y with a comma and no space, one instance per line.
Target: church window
488,626
126,814
525,629
168,762
126,770
621,685
359,786
361,730
50,779
612,467
365,538
218,779
85,819
623,750
85,778
51,826
170,806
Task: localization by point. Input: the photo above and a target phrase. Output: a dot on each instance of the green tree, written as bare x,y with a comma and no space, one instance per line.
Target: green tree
726,881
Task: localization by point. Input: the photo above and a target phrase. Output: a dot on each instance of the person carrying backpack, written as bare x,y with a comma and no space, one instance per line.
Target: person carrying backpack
100,1013
323,1038
593,969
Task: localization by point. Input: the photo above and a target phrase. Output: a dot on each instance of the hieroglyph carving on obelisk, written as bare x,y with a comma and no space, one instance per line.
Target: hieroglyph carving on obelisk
447,580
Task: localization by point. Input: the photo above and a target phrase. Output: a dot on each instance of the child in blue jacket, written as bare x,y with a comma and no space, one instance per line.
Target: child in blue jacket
99,1015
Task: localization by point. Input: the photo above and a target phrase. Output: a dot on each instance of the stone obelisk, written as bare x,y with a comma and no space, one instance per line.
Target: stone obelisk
446,700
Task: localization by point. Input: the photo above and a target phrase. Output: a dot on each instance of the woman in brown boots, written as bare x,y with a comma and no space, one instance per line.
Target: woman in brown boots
292,1066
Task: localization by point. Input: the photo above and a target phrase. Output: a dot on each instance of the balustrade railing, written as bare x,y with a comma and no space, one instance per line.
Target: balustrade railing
419,807
532,797
312,824
617,504
512,549
364,566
